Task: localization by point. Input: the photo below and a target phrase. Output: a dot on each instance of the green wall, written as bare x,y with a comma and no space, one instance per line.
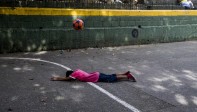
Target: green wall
21,33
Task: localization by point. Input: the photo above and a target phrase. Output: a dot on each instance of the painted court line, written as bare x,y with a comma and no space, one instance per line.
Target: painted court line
122,102
130,107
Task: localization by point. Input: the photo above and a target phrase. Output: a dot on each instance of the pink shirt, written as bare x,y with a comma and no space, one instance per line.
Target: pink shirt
84,76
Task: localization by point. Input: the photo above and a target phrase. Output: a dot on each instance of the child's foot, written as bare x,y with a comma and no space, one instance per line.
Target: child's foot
130,76
127,73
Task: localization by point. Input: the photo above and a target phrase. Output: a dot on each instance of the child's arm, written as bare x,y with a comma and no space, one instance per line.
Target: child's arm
62,79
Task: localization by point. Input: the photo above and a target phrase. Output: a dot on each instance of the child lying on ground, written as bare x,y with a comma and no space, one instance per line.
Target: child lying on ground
93,77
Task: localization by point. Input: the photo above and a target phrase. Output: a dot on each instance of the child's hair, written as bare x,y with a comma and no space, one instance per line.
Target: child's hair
68,73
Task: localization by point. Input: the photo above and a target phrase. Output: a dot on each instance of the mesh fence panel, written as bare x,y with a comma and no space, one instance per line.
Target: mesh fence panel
95,4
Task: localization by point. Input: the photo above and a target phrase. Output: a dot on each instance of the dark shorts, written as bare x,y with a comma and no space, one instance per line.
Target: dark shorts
107,78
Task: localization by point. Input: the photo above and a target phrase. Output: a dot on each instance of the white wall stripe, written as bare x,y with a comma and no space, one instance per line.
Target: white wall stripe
125,104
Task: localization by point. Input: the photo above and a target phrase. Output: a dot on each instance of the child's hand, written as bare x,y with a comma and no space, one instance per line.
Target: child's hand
53,78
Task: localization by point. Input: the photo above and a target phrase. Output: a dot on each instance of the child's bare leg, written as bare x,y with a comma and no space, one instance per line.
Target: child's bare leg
123,73
126,75
121,76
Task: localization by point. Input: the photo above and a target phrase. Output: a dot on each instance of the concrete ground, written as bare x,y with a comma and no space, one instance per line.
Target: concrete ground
166,80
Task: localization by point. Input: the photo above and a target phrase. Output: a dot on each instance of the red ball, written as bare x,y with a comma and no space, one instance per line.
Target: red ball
78,24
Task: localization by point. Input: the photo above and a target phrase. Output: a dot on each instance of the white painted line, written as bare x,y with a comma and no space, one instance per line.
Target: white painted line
125,104
37,59
130,107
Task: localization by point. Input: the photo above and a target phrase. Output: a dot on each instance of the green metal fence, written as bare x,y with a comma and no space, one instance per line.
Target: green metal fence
95,4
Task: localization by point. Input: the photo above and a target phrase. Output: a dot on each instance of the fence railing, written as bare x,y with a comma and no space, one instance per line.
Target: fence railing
92,4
